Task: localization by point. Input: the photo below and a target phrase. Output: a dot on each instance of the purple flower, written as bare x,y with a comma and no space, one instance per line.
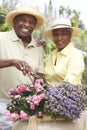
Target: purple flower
65,100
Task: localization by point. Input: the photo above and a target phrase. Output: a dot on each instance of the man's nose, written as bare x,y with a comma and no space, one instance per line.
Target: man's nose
27,24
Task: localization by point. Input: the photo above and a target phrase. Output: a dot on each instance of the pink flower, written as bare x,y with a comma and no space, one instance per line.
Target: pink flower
36,99
15,116
11,91
40,113
23,115
38,87
39,81
22,88
17,96
14,102
25,100
28,99
41,96
32,106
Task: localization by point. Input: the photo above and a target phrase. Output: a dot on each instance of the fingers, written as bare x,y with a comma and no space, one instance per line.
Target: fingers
22,66
40,43
25,68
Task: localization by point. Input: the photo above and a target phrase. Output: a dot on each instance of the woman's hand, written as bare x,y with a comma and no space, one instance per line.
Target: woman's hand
40,43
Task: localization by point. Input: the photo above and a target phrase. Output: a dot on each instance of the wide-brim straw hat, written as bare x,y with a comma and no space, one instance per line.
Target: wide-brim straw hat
61,23
26,9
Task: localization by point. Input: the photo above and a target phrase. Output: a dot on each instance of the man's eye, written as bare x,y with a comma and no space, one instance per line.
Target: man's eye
22,19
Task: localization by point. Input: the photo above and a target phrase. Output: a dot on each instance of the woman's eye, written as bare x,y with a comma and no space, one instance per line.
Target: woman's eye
65,33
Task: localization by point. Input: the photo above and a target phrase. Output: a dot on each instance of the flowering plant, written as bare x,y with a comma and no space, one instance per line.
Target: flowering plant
26,100
65,101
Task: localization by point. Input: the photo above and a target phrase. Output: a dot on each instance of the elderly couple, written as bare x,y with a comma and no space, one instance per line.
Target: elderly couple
19,53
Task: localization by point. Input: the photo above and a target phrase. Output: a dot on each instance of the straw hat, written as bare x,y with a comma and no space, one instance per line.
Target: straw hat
26,9
61,23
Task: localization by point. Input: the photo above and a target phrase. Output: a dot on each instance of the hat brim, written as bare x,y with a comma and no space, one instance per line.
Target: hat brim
12,14
48,32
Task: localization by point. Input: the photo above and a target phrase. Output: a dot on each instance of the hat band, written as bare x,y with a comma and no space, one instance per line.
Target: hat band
61,25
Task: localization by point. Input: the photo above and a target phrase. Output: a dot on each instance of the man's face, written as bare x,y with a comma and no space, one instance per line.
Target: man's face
24,25
61,37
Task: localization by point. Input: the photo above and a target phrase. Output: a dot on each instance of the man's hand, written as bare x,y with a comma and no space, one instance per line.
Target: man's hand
21,65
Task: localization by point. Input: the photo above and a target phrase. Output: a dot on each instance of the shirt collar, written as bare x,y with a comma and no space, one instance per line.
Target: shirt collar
66,51
15,38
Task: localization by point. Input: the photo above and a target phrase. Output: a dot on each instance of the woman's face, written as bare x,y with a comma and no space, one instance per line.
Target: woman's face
61,37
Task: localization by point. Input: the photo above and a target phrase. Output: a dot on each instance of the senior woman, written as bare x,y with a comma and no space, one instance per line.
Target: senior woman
65,63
